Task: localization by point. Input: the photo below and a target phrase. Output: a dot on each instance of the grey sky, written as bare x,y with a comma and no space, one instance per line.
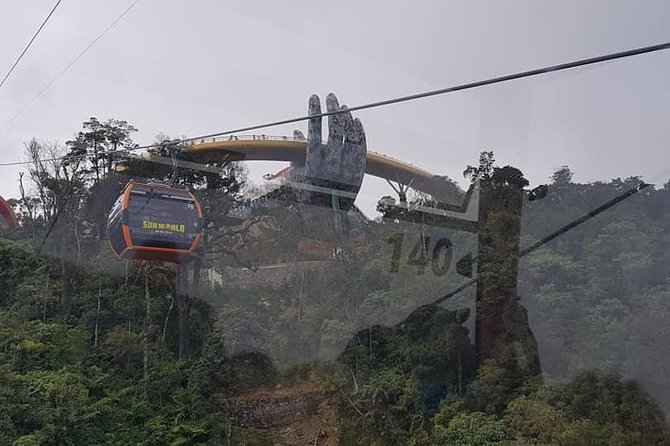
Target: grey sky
187,68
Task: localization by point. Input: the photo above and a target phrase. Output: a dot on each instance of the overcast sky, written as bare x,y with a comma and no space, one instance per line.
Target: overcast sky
188,68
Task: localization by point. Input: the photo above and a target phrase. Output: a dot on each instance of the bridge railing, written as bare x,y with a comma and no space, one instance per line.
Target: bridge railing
277,138
249,138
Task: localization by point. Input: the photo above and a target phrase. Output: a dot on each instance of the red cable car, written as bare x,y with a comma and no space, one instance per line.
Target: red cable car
7,217
154,222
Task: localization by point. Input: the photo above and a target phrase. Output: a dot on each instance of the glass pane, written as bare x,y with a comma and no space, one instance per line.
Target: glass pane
486,264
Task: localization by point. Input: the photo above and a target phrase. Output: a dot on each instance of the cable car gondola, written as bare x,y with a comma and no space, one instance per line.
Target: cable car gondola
154,222
7,217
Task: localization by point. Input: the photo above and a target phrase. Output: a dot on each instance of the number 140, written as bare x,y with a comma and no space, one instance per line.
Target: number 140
440,260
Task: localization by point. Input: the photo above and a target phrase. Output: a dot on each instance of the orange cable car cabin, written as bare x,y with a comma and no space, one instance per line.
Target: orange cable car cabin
154,222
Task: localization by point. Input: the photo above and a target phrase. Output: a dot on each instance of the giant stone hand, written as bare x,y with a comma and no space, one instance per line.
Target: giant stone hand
333,173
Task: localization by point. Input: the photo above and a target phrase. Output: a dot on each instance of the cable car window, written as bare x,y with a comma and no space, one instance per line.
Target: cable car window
162,220
116,209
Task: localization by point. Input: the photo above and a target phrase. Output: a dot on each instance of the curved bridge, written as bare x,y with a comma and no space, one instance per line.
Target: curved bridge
283,148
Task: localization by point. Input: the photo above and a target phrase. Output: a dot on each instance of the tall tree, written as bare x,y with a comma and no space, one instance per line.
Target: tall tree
96,143
59,179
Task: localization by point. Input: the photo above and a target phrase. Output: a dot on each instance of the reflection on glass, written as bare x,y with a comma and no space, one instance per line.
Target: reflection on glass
504,313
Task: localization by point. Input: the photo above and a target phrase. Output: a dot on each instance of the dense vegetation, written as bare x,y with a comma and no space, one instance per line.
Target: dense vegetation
98,351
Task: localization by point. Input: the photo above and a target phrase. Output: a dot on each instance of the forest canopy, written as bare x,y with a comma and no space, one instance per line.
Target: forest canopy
94,350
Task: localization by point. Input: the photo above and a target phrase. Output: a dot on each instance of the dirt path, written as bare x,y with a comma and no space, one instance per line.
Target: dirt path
300,415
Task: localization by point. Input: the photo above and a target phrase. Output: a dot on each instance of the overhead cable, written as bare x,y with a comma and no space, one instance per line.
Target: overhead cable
461,87
69,65
25,50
